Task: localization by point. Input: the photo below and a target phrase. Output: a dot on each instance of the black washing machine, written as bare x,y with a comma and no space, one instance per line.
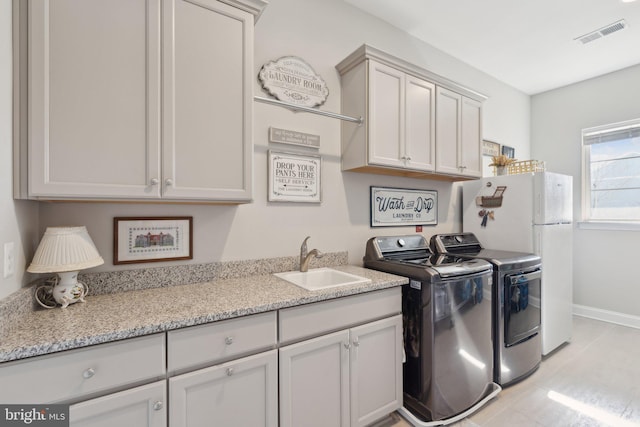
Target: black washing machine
446,310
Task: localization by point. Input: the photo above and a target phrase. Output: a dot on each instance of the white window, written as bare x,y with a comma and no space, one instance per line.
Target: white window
611,172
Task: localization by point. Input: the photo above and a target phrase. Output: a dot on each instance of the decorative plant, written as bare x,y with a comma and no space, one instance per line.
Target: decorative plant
501,160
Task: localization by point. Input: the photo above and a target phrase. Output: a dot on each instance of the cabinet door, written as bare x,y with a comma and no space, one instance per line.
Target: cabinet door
314,382
140,407
376,370
242,392
386,115
207,101
420,148
448,122
94,91
470,144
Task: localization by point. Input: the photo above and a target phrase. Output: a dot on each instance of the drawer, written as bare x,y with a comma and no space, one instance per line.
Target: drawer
310,320
88,371
203,345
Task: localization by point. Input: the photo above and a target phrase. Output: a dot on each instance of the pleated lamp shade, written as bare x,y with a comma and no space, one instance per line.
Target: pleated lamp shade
65,249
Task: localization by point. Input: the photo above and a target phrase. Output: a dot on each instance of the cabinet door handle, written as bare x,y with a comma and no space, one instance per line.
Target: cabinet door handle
88,373
228,340
154,181
408,158
356,343
158,405
168,182
347,345
229,371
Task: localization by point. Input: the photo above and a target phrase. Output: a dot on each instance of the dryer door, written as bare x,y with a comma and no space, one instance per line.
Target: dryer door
521,306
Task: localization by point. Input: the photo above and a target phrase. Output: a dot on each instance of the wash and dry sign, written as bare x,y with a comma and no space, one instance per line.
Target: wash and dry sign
294,177
291,79
393,207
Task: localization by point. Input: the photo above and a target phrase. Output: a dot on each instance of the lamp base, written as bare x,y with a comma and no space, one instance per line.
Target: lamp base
67,290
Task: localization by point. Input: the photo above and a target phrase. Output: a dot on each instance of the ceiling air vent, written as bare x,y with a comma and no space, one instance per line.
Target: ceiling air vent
601,32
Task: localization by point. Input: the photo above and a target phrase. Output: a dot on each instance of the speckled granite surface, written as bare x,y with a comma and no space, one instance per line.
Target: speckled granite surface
109,317
21,302
119,281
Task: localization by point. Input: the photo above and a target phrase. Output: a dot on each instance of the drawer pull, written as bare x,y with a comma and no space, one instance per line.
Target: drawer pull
356,343
228,340
158,405
229,371
88,373
347,345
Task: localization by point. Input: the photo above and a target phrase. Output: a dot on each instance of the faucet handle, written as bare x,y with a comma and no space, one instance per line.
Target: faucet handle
303,247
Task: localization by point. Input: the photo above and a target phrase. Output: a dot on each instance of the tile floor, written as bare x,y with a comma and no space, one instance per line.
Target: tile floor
598,373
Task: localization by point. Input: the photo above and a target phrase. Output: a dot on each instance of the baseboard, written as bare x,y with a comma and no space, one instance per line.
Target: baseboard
607,316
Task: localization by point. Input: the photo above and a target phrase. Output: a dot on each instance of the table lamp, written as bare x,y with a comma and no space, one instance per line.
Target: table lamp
64,250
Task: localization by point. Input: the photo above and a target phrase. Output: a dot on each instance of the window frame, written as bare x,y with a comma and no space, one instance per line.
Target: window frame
588,222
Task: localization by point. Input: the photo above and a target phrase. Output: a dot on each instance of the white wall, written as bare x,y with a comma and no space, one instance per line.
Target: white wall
323,33
604,261
18,220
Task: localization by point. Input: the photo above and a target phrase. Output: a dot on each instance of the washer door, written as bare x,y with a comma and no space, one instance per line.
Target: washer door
521,306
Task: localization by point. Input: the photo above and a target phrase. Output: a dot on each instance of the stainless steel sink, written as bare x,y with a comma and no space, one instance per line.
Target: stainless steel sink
321,278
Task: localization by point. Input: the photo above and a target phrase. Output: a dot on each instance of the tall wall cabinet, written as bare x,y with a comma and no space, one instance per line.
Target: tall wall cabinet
135,99
416,123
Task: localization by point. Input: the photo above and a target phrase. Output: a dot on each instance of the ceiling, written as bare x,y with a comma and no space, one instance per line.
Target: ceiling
529,44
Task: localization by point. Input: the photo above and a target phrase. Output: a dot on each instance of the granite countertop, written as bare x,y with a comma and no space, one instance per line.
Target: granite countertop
110,317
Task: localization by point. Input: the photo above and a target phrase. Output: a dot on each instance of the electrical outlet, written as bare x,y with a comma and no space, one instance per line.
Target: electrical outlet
9,260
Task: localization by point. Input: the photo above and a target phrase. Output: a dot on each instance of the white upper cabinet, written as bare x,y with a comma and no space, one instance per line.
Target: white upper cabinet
207,104
94,98
458,134
398,131
471,138
420,148
138,99
386,115
448,119
404,131
401,120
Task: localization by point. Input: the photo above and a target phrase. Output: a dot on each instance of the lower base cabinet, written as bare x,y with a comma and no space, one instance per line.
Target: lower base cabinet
375,370
243,392
348,378
335,363
143,406
314,382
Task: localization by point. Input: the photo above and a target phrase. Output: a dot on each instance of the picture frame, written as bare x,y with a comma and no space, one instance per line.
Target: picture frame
490,148
294,177
395,207
510,152
152,239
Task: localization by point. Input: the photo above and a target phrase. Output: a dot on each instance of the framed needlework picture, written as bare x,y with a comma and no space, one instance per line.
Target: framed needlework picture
152,239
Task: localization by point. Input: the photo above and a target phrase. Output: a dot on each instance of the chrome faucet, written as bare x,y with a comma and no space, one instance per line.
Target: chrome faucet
305,256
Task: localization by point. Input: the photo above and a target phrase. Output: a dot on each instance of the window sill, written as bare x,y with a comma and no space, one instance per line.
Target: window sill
609,225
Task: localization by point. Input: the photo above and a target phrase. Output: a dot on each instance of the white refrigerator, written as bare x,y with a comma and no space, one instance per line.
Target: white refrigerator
532,213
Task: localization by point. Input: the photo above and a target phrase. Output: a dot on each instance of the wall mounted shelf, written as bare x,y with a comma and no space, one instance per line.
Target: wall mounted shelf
358,120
